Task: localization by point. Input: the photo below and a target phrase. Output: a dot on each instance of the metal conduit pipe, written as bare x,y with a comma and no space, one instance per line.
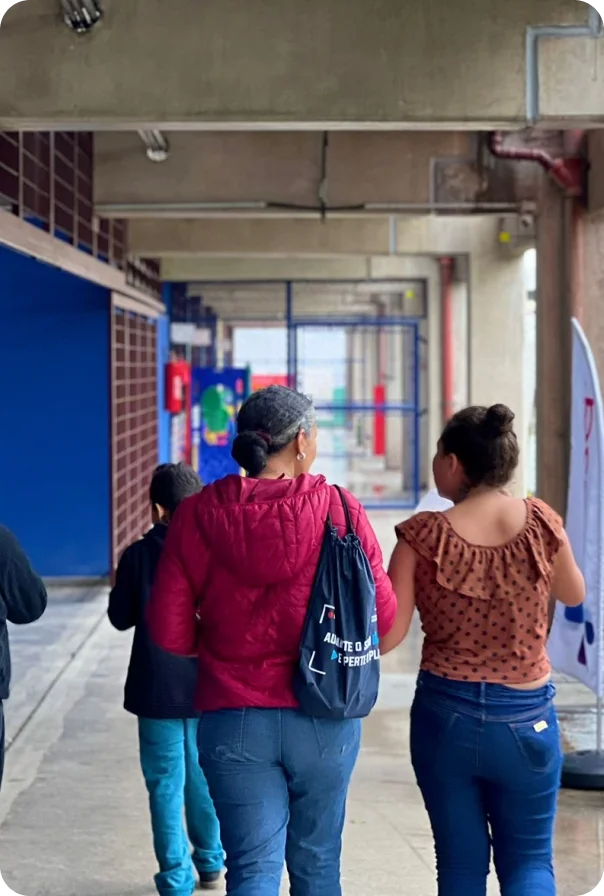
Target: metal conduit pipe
275,209
156,145
81,15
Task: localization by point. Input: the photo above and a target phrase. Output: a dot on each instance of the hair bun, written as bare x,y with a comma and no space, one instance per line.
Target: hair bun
499,420
250,450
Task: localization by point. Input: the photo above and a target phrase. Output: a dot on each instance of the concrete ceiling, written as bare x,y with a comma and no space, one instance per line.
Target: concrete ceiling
300,195
302,137
283,64
285,173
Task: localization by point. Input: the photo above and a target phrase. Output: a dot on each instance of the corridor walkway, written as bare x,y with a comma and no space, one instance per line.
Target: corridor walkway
73,817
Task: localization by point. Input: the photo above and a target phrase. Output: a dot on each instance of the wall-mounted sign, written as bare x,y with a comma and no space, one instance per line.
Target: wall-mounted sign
217,397
182,334
190,334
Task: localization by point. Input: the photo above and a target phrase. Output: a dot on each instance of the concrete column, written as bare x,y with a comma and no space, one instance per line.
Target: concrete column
593,280
356,383
220,344
497,327
447,340
396,380
553,349
461,384
367,371
355,357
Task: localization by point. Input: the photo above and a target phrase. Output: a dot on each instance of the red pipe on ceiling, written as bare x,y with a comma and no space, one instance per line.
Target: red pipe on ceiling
567,173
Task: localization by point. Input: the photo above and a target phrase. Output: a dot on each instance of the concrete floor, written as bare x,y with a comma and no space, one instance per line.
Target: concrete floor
73,815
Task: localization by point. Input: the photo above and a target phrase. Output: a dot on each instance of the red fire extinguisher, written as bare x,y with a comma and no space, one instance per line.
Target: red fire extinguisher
175,392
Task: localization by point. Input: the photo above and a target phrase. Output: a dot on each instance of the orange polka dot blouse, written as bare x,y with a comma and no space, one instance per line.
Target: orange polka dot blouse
484,610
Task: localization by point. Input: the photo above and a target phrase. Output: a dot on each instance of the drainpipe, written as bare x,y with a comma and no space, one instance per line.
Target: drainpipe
594,28
447,338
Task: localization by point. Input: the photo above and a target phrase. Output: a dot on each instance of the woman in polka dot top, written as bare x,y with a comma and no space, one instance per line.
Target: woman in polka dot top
485,742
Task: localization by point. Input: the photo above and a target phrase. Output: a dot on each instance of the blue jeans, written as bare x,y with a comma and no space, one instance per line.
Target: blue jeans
488,760
279,780
168,753
2,742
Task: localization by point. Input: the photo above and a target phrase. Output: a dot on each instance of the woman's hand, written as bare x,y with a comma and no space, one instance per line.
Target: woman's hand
402,575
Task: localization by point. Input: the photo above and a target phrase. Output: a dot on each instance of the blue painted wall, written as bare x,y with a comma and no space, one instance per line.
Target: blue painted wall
55,438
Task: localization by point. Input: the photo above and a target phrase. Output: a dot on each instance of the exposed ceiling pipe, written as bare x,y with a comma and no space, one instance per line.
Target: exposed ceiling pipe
534,33
567,173
81,15
156,145
284,209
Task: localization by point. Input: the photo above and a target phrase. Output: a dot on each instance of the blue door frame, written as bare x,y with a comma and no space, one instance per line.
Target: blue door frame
411,407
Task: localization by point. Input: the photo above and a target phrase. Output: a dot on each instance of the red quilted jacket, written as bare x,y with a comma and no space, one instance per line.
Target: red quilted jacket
235,578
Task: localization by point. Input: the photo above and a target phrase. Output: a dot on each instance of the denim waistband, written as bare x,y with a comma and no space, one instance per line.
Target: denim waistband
484,700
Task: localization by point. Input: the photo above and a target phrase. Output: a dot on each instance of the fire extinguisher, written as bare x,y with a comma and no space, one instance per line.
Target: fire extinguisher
174,387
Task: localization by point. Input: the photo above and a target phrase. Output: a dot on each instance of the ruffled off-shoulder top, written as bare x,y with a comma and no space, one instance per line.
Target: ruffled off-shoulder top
484,610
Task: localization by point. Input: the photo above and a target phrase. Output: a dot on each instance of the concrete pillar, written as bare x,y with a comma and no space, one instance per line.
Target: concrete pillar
497,327
356,383
220,344
461,384
447,340
355,357
553,349
593,281
530,390
370,368
395,392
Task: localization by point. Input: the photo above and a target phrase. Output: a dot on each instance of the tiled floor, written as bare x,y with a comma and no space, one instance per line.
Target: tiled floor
73,815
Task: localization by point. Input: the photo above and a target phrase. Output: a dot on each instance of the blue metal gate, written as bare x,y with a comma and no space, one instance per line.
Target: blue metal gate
364,376
358,348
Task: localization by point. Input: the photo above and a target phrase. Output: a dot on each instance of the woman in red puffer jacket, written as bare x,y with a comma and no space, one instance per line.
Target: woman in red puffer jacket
233,587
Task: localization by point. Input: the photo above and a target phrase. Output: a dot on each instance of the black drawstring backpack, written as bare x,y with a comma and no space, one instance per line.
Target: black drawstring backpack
339,672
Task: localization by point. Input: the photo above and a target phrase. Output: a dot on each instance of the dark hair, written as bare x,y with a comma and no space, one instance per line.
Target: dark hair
484,441
172,483
267,422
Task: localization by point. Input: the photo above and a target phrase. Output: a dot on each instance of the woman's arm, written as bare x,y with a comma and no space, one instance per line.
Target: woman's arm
402,575
568,584
384,593
172,611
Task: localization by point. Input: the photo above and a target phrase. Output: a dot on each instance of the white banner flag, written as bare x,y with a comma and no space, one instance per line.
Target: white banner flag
576,641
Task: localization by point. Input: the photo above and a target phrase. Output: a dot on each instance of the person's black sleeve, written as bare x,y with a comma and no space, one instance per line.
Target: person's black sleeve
22,589
124,599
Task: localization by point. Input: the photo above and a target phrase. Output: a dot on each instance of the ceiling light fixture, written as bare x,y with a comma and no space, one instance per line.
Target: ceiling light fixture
81,15
156,145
